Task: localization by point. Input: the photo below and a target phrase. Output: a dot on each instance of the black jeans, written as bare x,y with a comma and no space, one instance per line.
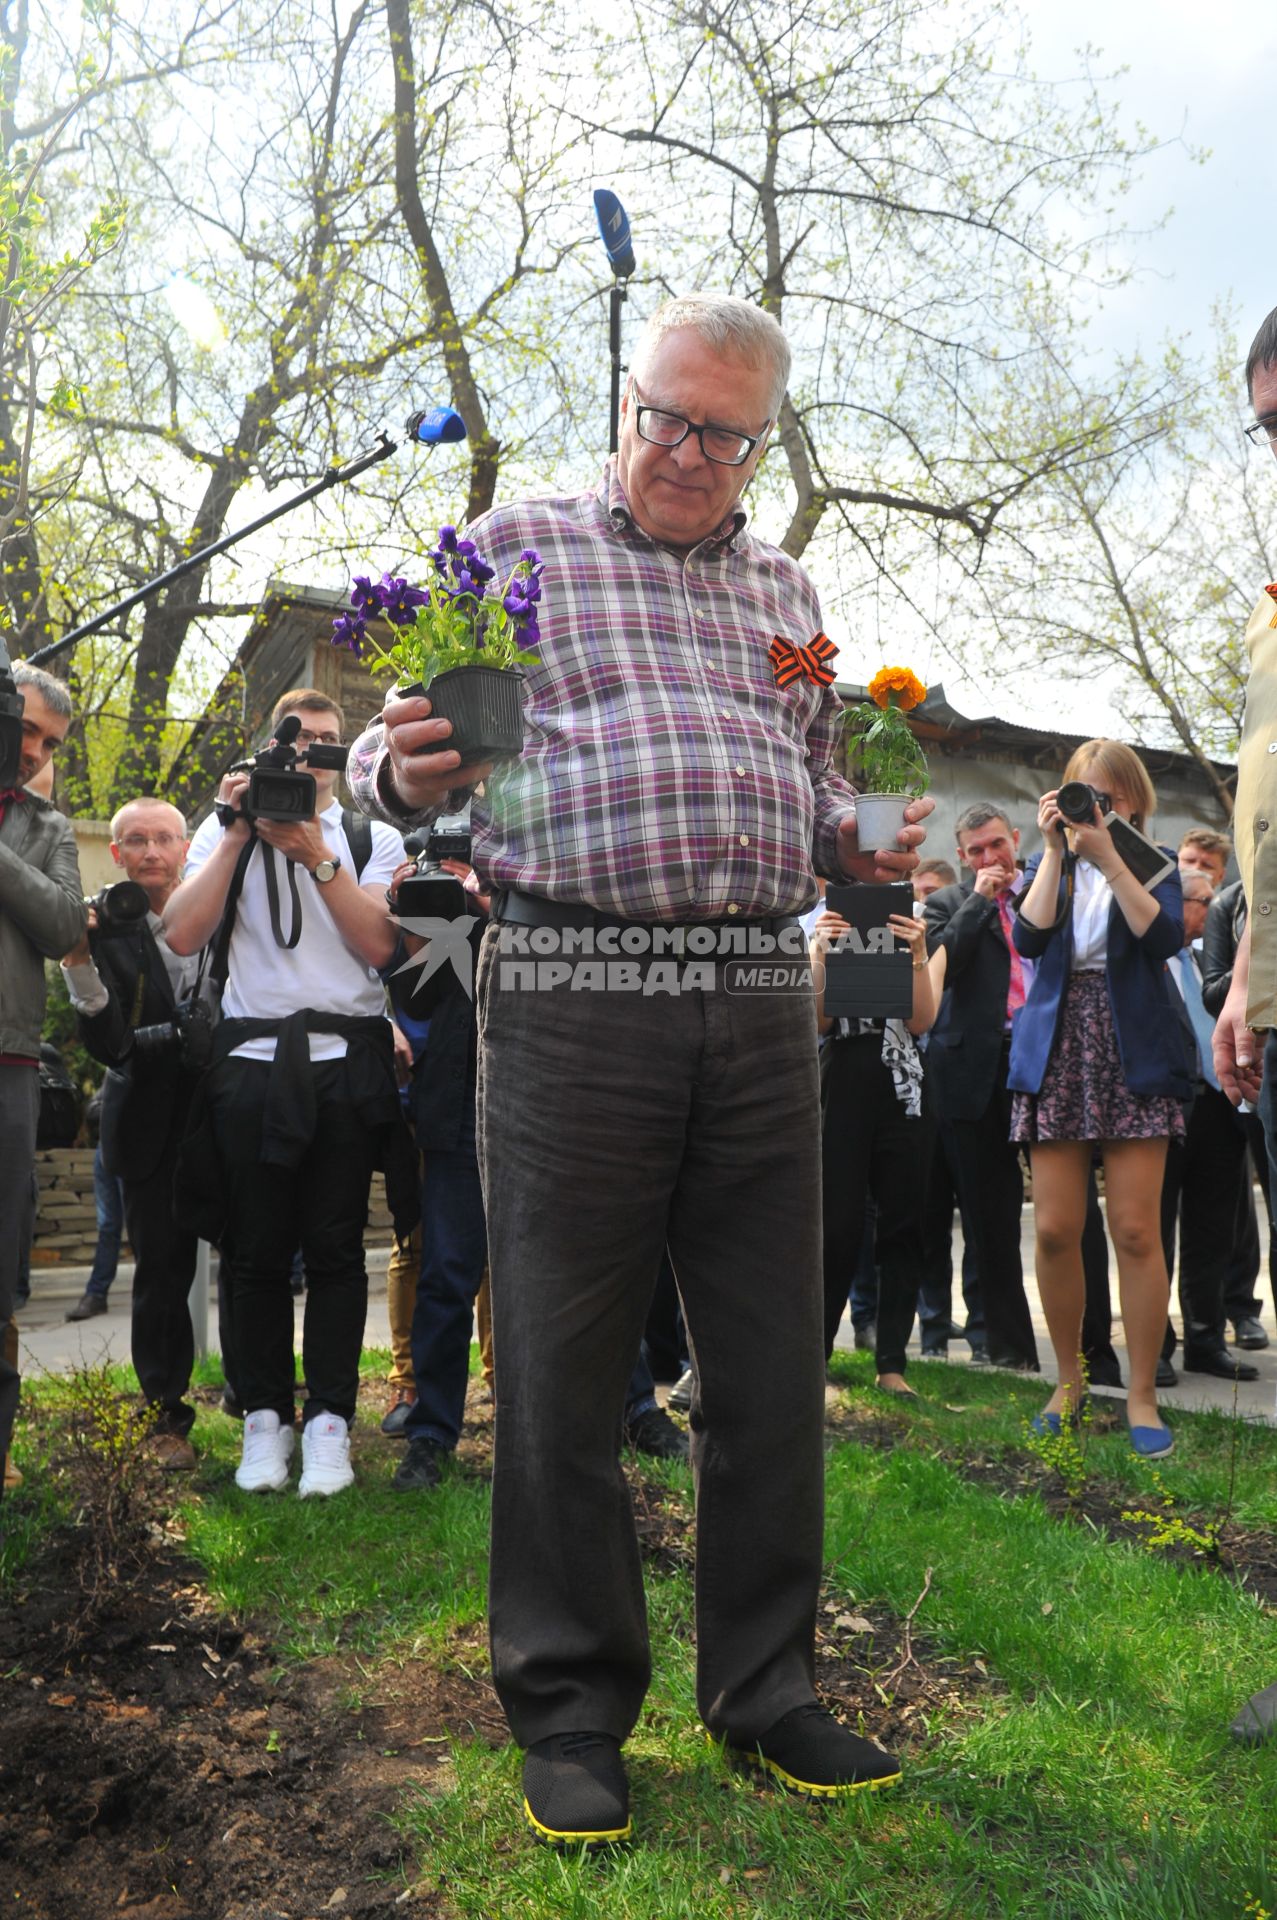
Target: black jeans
870,1145
163,1339
321,1204
609,1125
19,1111
986,1165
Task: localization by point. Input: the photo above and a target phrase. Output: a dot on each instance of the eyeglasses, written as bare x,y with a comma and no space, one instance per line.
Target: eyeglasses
136,842
722,445
306,739
1261,430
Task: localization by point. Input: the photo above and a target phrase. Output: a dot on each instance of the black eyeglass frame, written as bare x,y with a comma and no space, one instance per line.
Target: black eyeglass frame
642,407
1262,433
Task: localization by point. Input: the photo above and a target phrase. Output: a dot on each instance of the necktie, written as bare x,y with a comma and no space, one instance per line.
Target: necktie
10,795
1203,1026
1015,986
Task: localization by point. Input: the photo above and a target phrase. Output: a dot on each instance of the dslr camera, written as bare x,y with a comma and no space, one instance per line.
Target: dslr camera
278,786
189,1034
1078,799
120,907
430,893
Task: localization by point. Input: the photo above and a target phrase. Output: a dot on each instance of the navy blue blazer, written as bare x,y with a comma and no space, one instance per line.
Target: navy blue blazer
1144,1018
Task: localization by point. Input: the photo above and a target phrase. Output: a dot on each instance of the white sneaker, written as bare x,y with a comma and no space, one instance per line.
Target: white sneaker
326,1464
268,1447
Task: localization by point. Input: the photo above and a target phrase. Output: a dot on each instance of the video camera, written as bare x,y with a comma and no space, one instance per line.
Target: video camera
430,893
120,907
276,789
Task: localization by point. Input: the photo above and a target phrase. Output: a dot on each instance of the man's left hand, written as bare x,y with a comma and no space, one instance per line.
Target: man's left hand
885,863
299,840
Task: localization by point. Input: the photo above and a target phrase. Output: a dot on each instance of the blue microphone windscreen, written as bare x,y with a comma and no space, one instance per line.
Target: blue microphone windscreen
614,226
435,425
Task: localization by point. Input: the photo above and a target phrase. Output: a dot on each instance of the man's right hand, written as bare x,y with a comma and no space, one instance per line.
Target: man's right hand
424,769
81,953
991,881
231,794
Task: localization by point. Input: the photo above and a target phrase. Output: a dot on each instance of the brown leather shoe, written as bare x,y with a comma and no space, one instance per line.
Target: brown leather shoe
172,1452
12,1478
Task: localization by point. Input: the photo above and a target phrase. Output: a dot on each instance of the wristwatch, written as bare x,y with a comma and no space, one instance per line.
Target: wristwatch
326,869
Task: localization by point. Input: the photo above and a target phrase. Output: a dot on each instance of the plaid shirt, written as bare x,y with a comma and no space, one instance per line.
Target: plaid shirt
664,775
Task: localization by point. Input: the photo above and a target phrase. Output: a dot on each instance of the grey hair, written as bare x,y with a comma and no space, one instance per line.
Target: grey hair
56,694
978,815
729,325
1194,878
1263,352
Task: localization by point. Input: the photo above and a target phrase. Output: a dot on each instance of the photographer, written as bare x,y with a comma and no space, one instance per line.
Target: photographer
1098,1061
40,915
133,995
300,1100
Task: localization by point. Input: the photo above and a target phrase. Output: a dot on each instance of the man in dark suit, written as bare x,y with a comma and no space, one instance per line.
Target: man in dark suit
123,981
985,983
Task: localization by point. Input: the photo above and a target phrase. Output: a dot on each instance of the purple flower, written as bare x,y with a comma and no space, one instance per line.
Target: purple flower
364,597
348,631
448,539
531,558
399,601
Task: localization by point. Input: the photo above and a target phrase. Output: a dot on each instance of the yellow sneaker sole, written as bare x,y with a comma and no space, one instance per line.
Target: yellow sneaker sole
606,1838
814,1789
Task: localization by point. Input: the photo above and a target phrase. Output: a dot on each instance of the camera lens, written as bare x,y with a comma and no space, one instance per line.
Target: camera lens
1076,801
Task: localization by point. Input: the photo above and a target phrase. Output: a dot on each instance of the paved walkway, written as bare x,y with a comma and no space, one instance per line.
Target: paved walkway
49,1343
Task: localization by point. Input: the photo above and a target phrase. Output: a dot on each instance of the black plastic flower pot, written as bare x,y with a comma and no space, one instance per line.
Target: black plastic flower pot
485,706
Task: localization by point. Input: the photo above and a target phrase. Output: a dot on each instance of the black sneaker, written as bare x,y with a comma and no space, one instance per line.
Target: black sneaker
655,1434
421,1467
575,1793
810,1752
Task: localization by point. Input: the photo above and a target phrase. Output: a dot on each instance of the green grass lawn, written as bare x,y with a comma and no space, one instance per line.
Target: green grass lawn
1092,1777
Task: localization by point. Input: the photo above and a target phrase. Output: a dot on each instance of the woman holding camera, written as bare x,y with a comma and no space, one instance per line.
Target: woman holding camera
1098,1066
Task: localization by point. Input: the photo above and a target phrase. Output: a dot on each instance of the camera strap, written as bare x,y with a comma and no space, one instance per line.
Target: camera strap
272,896
220,965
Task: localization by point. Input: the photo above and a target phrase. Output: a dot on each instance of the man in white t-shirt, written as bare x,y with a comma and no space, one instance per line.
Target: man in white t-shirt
299,1097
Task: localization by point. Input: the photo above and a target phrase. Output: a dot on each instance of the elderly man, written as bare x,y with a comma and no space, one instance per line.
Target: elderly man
676,774
1251,1006
124,980
41,915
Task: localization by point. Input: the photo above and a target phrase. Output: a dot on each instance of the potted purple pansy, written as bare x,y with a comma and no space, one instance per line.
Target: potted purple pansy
462,639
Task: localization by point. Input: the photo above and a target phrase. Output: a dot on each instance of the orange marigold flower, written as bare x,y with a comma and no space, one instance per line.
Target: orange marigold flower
906,686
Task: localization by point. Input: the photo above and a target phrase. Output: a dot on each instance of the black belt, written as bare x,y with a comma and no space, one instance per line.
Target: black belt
512,907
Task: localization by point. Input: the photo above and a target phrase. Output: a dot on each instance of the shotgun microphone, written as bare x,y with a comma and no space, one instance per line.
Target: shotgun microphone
614,228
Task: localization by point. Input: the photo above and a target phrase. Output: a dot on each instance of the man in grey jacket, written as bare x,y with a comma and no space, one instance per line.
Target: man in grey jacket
41,917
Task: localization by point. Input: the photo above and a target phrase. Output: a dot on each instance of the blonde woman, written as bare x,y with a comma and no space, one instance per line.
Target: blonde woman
1098,1065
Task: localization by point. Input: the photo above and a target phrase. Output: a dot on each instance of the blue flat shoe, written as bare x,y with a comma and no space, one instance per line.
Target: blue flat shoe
1047,1422
1151,1443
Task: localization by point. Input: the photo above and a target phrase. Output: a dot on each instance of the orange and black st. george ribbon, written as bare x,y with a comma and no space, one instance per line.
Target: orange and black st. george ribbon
790,661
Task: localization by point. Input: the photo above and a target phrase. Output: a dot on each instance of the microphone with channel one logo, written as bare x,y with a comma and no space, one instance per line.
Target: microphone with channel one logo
435,426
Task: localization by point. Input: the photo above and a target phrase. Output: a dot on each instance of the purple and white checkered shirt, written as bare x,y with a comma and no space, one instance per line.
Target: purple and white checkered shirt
664,775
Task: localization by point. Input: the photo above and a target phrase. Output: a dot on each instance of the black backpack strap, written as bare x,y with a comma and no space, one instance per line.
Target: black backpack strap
357,828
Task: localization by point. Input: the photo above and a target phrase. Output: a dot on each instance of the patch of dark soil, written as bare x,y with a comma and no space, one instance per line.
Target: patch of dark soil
872,1664
166,1770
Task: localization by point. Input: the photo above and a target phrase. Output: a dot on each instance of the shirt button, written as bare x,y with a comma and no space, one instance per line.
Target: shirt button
710,664
1272,746
739,770
727,713
733,908
1261,826
1264,907
744,839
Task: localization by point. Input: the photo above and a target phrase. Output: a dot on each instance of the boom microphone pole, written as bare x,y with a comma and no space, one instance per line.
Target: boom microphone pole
614,230
435,426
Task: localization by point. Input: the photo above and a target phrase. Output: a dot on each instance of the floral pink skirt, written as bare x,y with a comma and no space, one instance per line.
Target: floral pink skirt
1084,1096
